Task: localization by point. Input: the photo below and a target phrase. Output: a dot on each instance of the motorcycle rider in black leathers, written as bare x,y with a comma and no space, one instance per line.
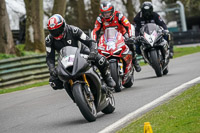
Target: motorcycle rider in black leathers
61,35
146,15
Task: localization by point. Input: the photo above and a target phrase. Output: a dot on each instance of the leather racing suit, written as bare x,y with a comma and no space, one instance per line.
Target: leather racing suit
122,25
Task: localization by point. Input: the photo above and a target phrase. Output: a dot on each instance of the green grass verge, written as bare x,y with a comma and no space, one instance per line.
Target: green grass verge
6,56
20,52
181,51
2,91
179,115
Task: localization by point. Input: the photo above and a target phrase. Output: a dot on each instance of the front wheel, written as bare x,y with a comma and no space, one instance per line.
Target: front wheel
115,75
86,106
155,62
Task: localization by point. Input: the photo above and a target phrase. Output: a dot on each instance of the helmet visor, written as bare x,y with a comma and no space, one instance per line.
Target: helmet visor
57,32
107,14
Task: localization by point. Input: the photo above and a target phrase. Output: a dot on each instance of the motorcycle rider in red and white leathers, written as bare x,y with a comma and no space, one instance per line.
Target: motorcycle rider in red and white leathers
110,18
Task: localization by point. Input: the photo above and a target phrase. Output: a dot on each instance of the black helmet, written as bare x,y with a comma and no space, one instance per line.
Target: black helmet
107,7
56,25
147,9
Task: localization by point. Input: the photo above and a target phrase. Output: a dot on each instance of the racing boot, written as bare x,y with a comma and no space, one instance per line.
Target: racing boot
171,51
136,65
103,66
107,78
109,81
135,62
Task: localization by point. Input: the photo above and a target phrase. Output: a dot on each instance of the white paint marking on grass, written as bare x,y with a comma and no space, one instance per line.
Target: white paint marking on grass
113,127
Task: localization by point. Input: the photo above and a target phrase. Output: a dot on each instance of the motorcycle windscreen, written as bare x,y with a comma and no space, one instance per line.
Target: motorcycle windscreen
149,28
68,50
66,59
80,64
110,34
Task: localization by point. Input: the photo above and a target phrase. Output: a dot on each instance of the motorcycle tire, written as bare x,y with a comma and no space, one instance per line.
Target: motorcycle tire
111,106
155,62
115,75
86,107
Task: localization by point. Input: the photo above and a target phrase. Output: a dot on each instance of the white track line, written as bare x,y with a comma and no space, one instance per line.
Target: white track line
128,118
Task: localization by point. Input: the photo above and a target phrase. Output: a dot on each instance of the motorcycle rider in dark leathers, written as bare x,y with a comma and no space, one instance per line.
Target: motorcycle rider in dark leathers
110,18
61,35
146,15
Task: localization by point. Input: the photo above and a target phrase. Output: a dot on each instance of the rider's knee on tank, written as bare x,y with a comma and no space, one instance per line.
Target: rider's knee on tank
166,37
138,51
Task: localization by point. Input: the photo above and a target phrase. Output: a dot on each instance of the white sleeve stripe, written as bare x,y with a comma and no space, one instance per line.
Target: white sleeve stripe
83,36
48,49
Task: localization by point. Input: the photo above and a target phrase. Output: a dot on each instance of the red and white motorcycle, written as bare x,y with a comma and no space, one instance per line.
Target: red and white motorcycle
113,47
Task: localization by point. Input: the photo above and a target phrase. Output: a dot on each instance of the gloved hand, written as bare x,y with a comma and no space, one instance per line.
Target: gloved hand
53,72
165,32
130,41
138,39
93,54
55,83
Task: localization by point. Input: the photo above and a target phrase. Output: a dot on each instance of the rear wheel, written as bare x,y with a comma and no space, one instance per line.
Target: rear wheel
155,61
85,105
115,75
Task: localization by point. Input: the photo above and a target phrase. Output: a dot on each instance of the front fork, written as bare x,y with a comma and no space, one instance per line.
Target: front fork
86,87
120,65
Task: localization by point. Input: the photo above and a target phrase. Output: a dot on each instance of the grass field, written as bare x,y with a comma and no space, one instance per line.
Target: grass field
181,51
179,115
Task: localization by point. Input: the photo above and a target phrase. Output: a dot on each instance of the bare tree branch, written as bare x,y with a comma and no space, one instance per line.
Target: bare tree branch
48,14
124,2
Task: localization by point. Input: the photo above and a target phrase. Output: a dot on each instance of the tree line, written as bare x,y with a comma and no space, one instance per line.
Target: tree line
74,12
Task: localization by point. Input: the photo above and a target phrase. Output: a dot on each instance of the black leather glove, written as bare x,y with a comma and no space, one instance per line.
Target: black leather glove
53,72
130,41
55,83
93,54
165,32
138,39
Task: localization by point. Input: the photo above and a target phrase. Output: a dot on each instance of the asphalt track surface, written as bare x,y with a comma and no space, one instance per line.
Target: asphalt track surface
41,109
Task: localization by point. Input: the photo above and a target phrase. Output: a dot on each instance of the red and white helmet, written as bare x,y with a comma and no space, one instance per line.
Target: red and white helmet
106,8
56,25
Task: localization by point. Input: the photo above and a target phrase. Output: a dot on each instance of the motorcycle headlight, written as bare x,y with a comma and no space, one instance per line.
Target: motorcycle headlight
117,52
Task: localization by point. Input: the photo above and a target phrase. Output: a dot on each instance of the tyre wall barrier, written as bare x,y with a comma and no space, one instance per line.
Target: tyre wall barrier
22,71
188,37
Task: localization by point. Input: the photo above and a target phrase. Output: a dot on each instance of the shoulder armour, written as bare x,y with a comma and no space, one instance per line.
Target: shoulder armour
74,29
49,40
99,19
119,15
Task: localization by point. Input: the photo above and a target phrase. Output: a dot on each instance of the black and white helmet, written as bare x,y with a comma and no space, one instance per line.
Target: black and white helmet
147,9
